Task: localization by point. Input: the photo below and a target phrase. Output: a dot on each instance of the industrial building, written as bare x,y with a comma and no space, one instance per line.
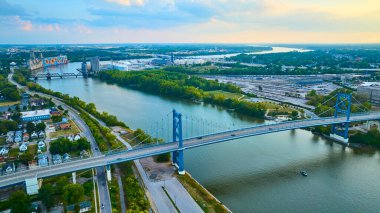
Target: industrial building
95,64
35,115
371,92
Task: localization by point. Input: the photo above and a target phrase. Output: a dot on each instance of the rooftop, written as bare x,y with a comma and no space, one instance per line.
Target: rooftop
35,113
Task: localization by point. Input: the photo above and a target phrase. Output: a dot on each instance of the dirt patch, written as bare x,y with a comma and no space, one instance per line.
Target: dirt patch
158,171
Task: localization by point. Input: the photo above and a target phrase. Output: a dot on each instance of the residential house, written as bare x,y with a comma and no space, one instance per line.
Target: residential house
36,102
4,151
84,154
34,135
18,136
32,164
9,139
41,134
66,157
57,159
5,116
42,160
10,134
76,137
41,145
55,113
25,136
23,147
83,207
8,168
65,126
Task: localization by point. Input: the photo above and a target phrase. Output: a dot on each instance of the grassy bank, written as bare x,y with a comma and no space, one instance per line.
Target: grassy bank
205,199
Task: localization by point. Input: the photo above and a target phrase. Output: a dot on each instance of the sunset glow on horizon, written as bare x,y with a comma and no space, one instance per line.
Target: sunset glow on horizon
189,21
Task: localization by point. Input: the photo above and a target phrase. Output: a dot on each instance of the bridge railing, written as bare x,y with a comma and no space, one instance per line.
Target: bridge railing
137,148
27,169
286,122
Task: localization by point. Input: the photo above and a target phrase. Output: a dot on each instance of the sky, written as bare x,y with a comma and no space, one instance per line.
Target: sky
189,21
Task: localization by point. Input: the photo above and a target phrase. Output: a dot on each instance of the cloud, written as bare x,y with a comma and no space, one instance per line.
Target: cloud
128,2
25,25
191,20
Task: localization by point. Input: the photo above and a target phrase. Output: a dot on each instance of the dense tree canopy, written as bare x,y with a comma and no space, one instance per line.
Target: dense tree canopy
20,202
45,193
6,125
64,145
73,193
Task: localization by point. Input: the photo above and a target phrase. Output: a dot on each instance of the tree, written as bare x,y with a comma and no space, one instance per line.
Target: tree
30,127
16,116
41,126
26,157
73,193
20,202
46,195
62,182
6,126
294,113
56,118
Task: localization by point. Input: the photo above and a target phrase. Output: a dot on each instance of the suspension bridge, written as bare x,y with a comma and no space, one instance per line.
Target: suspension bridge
340,123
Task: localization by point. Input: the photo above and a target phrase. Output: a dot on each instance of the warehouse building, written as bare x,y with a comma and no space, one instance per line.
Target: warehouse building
371,92
35,115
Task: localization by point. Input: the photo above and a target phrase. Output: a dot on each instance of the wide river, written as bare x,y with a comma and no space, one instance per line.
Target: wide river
257,174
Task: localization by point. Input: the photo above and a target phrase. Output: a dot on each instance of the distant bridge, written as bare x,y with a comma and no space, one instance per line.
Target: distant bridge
178,144
55,75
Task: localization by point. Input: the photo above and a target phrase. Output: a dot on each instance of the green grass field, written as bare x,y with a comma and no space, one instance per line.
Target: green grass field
226,94
8,103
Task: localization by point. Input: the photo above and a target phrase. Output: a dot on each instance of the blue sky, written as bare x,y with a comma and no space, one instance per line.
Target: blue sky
193,21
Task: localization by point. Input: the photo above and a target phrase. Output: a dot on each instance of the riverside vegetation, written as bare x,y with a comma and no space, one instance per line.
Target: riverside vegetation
183,86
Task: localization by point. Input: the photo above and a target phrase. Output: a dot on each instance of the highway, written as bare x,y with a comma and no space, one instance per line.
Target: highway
128,155
103,191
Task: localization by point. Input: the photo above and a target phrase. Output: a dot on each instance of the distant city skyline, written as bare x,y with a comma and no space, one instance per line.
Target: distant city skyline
189,21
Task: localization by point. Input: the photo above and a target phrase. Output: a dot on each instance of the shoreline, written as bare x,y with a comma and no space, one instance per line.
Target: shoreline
208,192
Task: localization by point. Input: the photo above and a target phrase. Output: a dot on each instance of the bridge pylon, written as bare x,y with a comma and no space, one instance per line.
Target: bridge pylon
342,106
177,156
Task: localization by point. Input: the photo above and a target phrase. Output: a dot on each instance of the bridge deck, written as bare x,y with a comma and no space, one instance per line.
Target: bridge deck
148,151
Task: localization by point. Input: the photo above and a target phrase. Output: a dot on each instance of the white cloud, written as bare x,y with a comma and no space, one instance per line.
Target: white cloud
128,2
25,25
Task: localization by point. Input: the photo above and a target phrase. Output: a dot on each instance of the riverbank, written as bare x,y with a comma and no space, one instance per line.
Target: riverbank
207,201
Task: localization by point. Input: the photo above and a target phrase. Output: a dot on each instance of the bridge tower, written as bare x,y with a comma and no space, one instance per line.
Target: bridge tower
177,137
342,106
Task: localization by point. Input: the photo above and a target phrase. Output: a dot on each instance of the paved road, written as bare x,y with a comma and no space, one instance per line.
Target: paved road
103,191
121,191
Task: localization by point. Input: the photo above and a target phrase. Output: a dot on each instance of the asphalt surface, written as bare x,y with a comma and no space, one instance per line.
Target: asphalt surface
103,191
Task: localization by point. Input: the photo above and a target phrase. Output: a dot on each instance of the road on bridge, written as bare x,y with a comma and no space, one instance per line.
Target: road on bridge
143,152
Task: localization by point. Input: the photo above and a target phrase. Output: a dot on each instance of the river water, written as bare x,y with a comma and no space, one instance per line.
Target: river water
274,50
257,174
